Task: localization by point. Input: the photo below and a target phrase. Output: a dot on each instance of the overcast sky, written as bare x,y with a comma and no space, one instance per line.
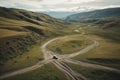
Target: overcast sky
60,5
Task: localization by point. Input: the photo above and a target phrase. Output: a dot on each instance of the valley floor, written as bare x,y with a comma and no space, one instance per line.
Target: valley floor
70,67
36,46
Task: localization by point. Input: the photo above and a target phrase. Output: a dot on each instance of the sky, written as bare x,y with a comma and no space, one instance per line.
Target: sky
60,5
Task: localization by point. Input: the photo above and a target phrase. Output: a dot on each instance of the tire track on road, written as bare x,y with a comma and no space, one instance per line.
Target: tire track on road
68,71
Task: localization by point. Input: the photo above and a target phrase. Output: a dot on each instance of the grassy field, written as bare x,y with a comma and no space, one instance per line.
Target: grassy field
47,72
74,28
107,53
27,59
69,44
94,74
23,32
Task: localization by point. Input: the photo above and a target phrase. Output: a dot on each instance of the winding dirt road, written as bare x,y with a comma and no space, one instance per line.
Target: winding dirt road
48,57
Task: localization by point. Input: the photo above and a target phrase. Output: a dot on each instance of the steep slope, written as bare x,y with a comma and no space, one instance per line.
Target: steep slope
20,29
104,22
94,15
109,23
107,19
29,16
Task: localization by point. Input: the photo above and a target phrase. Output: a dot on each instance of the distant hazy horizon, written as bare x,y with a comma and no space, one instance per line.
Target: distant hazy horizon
60,5
59,14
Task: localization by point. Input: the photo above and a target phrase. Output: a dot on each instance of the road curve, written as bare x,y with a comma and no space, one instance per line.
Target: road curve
59,63
48,54
47,59
86,49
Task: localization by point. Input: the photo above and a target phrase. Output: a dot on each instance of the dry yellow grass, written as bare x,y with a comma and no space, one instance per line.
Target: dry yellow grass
7,33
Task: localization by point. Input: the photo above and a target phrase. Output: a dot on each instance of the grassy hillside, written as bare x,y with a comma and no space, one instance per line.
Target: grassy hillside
97,14
69,44
20,29
107,53
23,32
104,22
29,16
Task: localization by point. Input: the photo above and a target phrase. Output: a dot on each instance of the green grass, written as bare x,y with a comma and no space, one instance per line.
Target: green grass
21,29
69,44
107,53
47,72
71,29
29,58
94,74
19,22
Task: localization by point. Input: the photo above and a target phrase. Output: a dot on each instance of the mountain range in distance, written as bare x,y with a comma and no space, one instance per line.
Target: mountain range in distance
59,14
100,13
96,14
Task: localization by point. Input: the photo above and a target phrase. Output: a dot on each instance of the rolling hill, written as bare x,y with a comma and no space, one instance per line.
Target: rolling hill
94,15
91,43
20,29
107,19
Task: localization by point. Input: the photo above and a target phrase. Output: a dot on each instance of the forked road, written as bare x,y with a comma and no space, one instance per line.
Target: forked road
71,74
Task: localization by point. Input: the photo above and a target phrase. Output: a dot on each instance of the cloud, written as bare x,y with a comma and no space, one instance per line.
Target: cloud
60,5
